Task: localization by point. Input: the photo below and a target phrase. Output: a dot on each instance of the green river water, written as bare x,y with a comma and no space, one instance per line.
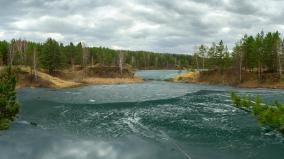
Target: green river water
151,120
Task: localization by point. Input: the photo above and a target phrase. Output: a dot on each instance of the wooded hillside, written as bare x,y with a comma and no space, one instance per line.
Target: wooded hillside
52,55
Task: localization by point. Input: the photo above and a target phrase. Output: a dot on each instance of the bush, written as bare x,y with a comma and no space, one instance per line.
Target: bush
4,124
257,106
236,99
245,102
281,129
270,115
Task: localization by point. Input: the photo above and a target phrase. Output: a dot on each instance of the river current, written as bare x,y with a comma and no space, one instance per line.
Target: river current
151,120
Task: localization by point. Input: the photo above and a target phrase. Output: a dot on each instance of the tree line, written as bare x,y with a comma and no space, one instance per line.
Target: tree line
262,53
52,55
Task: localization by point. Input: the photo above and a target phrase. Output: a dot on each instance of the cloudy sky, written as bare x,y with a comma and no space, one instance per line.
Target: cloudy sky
174,26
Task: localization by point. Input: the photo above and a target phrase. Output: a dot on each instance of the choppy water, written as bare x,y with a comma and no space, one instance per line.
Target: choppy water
139,121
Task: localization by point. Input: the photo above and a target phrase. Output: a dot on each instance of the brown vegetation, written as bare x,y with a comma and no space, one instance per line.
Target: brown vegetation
78,77
230,77
187,77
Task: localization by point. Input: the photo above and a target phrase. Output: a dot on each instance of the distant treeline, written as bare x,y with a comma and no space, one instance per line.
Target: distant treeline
53,55
262,54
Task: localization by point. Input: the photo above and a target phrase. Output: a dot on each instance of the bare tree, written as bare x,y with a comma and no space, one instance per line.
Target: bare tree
132,60
21,48
196,56
241,64
279,56
34,63
85,54
120,61
196,60
17,47
202,52
12,52
156,62
145,61
85,57
92,60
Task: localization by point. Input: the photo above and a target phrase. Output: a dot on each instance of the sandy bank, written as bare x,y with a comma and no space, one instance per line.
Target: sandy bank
96,80
256,84
44,80
215,78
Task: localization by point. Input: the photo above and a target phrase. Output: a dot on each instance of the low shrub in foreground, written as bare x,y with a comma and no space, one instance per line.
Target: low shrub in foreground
266,114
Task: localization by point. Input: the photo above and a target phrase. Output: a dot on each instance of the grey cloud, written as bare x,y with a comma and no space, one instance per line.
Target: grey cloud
153,25
242,7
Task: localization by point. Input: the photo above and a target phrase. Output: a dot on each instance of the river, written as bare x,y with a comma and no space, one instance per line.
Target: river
151,120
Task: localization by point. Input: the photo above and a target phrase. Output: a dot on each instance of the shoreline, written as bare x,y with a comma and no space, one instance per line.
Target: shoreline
45,80
243,85
84,82
193,77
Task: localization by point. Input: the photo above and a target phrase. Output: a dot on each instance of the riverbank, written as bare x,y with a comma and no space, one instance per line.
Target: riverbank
228,78
90,119
69,79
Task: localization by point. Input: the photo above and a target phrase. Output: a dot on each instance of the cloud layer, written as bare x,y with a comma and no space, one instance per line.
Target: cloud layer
152,25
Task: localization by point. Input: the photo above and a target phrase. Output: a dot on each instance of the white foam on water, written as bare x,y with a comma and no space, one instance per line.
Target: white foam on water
73,93
63,113
92,100
219,110
130,124
206,119
23,122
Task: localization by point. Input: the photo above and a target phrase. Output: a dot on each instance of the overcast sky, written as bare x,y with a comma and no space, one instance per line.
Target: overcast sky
174,26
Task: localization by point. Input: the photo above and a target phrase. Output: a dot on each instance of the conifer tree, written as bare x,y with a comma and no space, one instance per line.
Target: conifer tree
9,107
50,57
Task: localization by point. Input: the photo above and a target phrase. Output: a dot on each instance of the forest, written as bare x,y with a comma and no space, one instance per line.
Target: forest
52,55
261,54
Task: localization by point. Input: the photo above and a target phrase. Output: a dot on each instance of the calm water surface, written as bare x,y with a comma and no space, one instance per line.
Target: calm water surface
152,120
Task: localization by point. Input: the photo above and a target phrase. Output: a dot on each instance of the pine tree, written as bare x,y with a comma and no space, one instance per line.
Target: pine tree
4,49
219,55
9,107
237,55
50,56
202,52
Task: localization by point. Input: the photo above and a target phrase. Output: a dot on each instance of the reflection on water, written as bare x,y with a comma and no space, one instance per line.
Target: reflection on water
142,121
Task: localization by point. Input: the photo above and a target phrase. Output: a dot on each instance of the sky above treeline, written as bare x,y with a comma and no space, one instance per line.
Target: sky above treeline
173,26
